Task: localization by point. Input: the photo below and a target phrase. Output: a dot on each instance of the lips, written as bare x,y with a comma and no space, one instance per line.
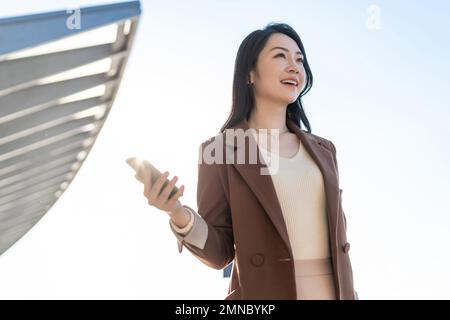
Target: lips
290,81
289,84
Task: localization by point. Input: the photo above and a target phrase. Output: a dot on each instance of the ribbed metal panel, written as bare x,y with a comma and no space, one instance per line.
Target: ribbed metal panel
56,90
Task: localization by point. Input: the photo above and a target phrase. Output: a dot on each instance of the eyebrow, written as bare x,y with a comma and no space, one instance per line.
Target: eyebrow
284,49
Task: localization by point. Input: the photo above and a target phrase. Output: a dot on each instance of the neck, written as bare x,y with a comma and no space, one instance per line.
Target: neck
268,117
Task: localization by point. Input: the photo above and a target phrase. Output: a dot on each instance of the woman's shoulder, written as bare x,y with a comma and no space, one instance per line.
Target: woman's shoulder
321,140
217,139
212,150
220,140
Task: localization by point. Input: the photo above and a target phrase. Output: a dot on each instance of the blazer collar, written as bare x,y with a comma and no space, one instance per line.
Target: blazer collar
263,188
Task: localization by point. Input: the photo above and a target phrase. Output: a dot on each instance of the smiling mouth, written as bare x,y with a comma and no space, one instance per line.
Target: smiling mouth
289,84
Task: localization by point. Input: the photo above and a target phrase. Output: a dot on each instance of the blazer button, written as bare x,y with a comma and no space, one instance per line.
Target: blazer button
346,247
257,259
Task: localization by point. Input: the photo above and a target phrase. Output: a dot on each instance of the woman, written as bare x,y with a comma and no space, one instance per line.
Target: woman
284,230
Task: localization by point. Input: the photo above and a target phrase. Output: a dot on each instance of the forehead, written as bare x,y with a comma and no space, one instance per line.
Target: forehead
281,40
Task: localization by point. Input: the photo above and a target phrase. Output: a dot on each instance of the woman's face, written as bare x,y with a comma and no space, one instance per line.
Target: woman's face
279,60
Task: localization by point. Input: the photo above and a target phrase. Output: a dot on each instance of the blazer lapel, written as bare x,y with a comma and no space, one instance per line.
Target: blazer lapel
263,187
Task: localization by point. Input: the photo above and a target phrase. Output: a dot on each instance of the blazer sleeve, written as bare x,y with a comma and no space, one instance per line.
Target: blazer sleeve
185,230
195,232
340,191
212,230
337,172
334,157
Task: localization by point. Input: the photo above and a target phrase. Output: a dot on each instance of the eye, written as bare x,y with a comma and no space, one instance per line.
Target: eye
282,55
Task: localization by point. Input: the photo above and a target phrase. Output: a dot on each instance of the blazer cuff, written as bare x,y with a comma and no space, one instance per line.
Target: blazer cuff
196,235
183,231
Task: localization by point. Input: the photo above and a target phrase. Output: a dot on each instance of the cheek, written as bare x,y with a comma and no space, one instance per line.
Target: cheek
271,72
302,77
269,80
303,73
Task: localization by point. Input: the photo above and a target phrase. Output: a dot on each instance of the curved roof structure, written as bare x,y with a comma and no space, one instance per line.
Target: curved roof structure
59,75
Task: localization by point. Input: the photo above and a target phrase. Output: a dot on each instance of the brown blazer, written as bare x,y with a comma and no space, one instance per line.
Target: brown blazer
245,223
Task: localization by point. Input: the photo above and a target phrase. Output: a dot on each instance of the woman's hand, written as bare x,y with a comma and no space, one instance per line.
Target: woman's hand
156,197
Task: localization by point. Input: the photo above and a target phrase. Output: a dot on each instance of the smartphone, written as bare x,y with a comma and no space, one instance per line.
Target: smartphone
138,165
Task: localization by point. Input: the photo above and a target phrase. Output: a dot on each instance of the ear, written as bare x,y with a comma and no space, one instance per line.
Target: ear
250,78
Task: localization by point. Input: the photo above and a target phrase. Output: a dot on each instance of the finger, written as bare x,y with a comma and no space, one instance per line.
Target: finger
156,188
171,202
162,199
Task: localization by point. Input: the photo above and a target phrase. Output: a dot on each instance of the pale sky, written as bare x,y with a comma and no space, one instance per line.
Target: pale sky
380,93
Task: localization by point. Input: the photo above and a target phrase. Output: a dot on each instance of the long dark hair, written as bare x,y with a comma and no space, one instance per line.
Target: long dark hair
243,96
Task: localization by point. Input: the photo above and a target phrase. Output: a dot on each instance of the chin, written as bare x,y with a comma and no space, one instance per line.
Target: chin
289,99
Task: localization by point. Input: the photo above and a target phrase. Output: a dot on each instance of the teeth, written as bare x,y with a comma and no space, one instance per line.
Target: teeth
289,81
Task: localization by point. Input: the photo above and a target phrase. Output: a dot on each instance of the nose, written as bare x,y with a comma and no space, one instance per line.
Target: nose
293,68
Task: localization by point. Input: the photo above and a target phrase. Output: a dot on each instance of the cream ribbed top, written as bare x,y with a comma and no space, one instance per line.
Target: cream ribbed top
300,189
